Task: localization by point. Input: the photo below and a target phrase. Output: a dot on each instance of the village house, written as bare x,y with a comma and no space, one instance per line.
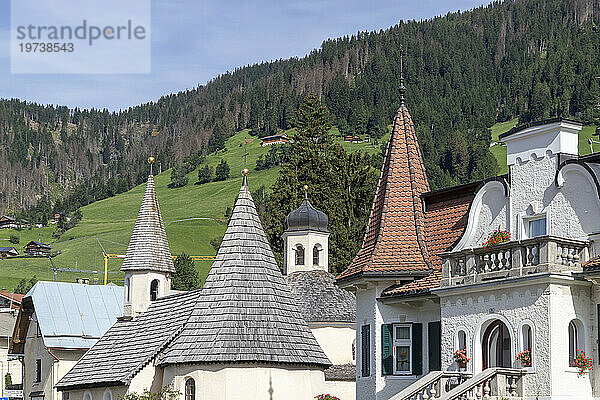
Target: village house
240,336
8,252
37,249
280,138
10,367
7,222
56,324
505,270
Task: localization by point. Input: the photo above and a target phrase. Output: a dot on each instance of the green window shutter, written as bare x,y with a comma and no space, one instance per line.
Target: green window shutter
366,350
417,349
387,353
435,345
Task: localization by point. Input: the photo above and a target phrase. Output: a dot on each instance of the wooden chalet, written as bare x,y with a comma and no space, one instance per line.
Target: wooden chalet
37,249
8,252
275,139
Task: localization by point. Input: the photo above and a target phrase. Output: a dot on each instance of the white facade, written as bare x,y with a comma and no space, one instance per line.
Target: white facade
309,242
141,287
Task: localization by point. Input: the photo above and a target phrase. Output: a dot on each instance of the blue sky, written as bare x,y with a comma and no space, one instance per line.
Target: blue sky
195,40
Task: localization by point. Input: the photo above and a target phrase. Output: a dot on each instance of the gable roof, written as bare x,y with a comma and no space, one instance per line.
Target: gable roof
246,312
130,344
16,298
394,240
39,244
148,248
70,315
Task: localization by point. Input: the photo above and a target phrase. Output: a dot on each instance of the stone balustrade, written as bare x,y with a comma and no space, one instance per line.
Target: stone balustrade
513,259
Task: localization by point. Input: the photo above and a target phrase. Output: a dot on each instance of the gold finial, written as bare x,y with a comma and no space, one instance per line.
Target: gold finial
305,188
245,172
306,192
151,160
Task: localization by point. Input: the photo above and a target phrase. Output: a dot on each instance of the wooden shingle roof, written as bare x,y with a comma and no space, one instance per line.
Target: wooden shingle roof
148,248
246,312
394,239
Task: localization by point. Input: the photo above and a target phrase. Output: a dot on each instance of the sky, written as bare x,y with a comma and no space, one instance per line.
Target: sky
193,41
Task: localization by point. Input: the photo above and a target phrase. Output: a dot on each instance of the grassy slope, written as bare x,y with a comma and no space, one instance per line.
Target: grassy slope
111,220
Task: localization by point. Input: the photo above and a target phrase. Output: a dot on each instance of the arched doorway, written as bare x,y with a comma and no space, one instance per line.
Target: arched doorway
496,346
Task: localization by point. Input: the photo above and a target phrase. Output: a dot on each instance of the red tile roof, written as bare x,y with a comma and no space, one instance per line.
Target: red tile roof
16,297
394,239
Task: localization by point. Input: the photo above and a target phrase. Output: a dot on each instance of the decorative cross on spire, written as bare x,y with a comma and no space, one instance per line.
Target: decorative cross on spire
245,154
402,88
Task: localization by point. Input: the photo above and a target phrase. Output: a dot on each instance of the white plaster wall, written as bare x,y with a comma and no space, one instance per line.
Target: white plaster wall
13,366
568,302
373,312
97,393
55,364
251,382
336,343
342,390
139,288
150,378
308,239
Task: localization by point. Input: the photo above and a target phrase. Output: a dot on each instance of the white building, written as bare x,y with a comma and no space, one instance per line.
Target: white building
241,336
329,310
56,324
426,285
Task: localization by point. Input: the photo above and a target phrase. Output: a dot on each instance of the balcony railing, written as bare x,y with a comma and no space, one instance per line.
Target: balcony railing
513,259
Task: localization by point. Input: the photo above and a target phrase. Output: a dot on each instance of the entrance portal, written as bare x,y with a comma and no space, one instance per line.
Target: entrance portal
496,346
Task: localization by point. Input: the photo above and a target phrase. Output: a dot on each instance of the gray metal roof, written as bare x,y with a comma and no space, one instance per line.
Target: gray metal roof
306,217
75,316
319,299
148,248
246,312
131,344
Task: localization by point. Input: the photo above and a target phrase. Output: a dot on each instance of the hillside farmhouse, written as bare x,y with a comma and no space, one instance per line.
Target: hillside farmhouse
37,249
433,277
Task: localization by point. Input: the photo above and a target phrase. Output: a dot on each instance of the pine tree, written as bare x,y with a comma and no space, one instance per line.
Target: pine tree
186,276
222,171
205,174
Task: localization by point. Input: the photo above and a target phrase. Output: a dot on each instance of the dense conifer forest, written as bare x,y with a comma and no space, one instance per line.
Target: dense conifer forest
464,71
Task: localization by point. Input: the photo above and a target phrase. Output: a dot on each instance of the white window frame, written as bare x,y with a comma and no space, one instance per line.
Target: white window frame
527,219
579,338
403,342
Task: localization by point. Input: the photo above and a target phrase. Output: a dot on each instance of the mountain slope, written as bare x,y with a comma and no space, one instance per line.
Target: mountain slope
464,71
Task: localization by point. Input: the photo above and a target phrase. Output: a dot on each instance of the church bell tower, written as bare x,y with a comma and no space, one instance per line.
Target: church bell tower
305,239
148,265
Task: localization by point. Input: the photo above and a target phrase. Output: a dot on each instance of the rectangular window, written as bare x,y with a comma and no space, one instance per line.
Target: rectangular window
38,370
537,227
402,349
366,350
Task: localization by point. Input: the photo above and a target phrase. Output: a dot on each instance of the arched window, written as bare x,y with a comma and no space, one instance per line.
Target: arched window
299,254
316,251
87,395
461,340
107,395
575,340
126,288
154,290
190,389
527,338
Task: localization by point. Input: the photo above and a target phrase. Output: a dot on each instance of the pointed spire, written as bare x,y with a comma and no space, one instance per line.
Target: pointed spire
246,305
394,240
402,87
148,248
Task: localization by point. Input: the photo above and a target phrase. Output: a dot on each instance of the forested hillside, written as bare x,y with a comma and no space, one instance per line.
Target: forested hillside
464,72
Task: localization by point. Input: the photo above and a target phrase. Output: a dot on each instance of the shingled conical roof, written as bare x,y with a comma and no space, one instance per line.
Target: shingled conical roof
148,248
246,312
394,240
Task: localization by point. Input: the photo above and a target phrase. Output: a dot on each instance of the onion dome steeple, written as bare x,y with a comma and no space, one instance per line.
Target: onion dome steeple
306,217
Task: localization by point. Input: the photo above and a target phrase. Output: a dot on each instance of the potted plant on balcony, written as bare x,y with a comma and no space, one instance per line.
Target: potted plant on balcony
326,397
496,237
525,358
583,363
460,356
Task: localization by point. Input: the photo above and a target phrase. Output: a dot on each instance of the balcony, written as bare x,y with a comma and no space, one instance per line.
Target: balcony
513,259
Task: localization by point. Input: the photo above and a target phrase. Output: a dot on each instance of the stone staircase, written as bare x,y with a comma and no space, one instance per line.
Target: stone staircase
491,384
